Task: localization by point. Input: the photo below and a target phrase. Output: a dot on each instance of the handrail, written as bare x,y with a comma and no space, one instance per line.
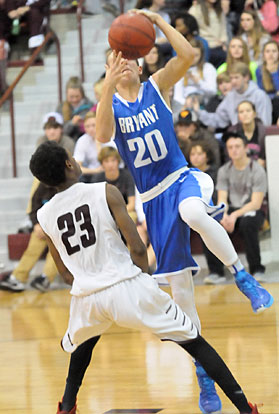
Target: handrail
121,6
79,25
80,36
9,92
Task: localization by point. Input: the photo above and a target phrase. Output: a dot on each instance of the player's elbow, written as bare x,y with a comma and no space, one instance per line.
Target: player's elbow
138,249
67,277
104,135
101,138
187,54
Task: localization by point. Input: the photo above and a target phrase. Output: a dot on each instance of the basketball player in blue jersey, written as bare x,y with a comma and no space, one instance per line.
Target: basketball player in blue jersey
83,224
176,198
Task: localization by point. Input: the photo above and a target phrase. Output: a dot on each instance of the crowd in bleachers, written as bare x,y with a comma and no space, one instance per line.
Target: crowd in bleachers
230,93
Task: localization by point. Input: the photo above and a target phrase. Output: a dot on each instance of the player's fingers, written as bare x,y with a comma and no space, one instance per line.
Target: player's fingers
119,57
146,13
114,56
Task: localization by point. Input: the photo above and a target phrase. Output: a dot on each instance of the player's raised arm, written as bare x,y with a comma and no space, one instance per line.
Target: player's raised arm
176,67
104,114
127,227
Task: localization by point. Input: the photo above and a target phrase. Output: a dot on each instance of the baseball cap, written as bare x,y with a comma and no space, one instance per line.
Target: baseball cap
185,117
53,119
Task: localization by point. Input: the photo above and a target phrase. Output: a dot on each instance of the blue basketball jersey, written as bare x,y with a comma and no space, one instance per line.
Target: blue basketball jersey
145,136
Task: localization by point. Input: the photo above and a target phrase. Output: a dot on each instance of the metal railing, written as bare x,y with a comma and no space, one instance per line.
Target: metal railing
80,35
9,92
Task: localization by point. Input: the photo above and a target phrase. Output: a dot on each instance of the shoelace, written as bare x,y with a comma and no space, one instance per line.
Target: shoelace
246,284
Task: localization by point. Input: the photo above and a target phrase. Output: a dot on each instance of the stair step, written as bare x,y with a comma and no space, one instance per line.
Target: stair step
34,96
15,185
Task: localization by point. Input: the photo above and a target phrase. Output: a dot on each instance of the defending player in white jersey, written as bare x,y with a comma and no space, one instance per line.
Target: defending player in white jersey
83,224
175,197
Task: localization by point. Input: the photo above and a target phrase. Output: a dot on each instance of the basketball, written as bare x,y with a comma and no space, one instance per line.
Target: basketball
132,34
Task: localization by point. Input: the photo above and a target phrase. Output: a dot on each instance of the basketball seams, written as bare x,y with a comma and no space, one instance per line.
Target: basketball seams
134,29
127,46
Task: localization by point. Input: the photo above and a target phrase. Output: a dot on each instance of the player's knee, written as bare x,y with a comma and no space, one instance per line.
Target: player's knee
192,213
192,218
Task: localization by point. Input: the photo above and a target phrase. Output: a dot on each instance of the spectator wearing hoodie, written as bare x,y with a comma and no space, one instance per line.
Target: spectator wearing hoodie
242,90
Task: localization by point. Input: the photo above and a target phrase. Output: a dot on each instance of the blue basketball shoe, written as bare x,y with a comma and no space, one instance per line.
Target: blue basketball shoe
259,297
209,401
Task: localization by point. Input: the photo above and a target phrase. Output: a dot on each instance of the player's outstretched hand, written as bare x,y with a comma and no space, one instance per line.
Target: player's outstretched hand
151,15
114,68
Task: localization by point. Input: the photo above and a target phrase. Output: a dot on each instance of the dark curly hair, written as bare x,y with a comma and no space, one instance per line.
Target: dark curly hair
189,21
234,134
48,164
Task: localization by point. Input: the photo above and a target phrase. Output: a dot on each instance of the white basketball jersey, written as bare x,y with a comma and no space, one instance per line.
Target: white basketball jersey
81,227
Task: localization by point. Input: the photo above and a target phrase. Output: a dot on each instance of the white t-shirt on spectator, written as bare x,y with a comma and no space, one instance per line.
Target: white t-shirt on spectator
86,152
206,87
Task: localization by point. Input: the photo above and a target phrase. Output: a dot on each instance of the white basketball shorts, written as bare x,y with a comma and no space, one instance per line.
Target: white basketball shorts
136,303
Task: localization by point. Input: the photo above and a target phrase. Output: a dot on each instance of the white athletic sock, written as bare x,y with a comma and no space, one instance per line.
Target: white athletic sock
236,267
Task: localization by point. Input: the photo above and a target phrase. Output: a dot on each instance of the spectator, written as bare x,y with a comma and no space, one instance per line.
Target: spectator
5,28
111,7
155,6
74,108
53,128
224,86
53,131
15,280
35,12
230,18
268,14
242,184
97,87
188,131
153,61
212,24
175,106
199,80
87,149
110,159
236,8
238,52
187,25
202,157
253,34
242,89
253,130
268,76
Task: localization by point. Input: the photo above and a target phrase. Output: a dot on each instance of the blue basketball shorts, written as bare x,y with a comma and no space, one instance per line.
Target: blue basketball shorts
168,233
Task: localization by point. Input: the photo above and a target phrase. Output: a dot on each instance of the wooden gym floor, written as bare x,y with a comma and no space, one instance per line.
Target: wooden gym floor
133,372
